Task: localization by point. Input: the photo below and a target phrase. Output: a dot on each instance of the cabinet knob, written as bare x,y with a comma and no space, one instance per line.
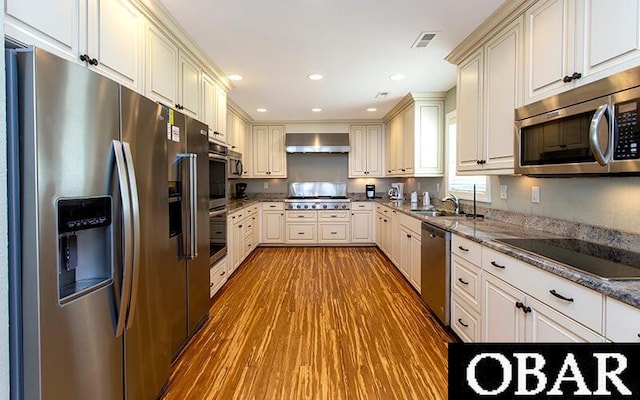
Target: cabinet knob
567,79
84,58
93,62
576,76
409,236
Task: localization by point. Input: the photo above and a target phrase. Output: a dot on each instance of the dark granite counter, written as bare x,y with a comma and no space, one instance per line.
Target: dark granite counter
484,231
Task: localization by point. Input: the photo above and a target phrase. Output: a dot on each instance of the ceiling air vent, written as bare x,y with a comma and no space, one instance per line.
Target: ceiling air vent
423,40
382,95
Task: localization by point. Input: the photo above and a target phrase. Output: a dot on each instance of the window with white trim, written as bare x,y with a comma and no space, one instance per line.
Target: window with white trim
462,185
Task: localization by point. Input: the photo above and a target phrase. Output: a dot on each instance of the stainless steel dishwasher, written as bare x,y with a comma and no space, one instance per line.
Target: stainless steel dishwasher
435,267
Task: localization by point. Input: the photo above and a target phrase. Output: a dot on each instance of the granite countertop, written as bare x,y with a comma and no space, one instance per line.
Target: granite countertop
484,231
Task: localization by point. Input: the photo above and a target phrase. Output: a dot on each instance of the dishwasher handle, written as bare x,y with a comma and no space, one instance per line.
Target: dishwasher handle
433,231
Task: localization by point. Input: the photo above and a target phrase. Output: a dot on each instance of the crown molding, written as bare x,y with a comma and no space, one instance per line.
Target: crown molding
505,14
410,99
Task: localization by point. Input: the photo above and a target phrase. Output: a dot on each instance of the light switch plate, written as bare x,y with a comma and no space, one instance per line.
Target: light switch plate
535,194
503,192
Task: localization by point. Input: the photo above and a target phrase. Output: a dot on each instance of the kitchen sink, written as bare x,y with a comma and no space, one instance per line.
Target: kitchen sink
435,213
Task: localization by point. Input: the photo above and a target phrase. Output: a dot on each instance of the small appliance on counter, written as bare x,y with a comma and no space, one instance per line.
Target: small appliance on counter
426,200
397,191
414,197
241,190
370,190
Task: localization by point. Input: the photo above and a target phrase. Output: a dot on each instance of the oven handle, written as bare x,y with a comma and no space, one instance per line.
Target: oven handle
215,213
594,141
217,157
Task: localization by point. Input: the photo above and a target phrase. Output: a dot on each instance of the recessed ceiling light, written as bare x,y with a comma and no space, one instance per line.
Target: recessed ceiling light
235,77
397,77
315,77
261,110
372,109
316,109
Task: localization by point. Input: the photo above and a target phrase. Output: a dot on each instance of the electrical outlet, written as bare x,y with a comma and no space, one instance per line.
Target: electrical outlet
418,185
535,194
266,185
503,192
438,188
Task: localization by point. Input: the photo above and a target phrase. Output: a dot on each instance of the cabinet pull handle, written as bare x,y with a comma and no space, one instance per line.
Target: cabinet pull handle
300,233
334,233
561,297
462,323
462,248
239,226
462,281
300,216
210,285
222,274
495,264
272,206
334,216
409,236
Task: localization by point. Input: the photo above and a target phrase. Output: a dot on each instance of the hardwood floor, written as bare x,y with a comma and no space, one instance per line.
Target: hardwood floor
317,322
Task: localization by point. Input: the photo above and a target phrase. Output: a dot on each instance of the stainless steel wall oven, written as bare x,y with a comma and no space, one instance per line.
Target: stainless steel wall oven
218,188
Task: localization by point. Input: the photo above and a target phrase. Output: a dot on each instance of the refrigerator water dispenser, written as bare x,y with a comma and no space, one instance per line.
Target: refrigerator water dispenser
84,246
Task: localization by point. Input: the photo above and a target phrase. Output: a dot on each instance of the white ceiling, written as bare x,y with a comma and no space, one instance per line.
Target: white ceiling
355,44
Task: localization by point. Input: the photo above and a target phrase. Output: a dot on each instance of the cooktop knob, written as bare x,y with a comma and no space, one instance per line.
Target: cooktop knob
313,206
298,206
344,206
324,206
335,206
290,205
306,206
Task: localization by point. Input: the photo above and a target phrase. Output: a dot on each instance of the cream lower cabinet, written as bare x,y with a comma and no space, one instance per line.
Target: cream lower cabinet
272,223
301,227
334,226
218,276
362,222
409,255
242,235
622,321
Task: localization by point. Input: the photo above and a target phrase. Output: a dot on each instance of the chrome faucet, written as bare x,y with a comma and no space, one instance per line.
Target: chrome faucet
456,202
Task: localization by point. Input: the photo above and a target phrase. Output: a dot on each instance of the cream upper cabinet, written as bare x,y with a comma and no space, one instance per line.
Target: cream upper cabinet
247,154
489,89
415,133
105,35
189,85
570,43
162,67
221,113
365,155
269,157
208,93
236,131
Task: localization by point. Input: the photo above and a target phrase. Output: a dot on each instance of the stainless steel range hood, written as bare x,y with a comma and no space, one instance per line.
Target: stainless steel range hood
317,142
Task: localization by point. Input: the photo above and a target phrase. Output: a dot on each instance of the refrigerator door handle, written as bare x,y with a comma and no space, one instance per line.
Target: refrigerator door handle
125,294
135,213
193,206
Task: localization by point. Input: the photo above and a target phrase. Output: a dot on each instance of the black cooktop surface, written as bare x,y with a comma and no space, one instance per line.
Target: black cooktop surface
601,261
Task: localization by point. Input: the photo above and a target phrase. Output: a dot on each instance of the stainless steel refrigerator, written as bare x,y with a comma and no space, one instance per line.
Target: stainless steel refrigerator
188,171
89,238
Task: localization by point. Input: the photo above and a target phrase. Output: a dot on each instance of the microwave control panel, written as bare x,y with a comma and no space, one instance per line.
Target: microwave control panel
627,132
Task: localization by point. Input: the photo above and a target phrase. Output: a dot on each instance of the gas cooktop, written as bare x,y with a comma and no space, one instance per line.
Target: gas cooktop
604,262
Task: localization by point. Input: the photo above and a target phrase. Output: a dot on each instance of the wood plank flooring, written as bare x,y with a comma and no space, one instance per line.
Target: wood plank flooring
315,323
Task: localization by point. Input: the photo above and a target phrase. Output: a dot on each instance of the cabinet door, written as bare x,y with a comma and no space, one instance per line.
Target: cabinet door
470,100
394,237
546,325
502,96
221,112
502,320
115,37
611,37
260,143
53,25
247,155
276,151
273,227
403,255
379,231
209,105
408,139
548,57
238,244
358,152
238,133
189,86
374,151
162,63
429,143
362,227
415,261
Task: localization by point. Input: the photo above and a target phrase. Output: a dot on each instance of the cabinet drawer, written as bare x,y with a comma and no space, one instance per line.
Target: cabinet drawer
251,210
217,276
582,304
272,206
333,216
465,322
362,205
622,322
465,281
249,226
333,233
467,249
236,216
410,223
301,233
295,216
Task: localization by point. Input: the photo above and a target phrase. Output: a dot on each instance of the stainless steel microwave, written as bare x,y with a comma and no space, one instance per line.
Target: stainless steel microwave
592,129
